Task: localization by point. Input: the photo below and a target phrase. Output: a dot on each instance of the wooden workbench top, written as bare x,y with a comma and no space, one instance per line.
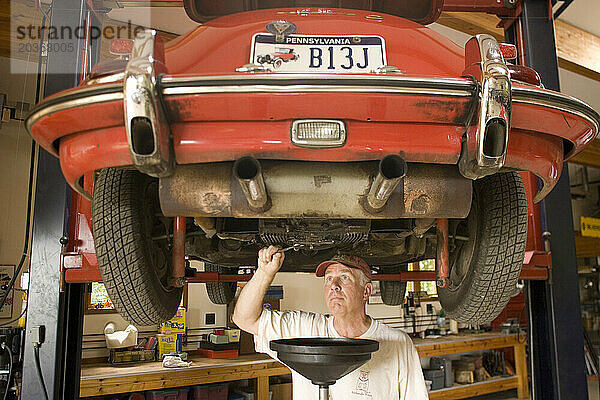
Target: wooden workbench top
105,370
100,379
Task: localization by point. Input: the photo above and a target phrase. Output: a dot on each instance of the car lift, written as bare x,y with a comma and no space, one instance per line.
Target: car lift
63,259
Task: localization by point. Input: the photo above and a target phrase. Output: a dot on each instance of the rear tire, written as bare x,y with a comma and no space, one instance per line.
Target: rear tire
485,268
220,292
392,292
135,268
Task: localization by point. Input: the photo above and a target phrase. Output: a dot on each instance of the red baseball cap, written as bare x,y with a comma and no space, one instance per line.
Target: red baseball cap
348,261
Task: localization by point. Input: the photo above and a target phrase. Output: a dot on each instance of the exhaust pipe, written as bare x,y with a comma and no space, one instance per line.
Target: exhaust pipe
248,172
392,168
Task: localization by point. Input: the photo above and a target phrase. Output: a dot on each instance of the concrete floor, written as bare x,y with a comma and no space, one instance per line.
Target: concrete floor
593,390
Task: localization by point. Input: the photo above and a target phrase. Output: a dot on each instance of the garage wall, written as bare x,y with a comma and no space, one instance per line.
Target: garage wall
15,148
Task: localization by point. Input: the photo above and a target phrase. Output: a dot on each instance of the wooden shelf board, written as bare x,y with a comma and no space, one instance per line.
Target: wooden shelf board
463,344
475,389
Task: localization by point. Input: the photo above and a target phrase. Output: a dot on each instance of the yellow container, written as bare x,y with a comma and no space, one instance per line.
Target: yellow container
167,343
233,335
175,324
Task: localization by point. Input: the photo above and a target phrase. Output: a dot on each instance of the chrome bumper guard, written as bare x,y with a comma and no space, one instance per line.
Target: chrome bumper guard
148,134
486,140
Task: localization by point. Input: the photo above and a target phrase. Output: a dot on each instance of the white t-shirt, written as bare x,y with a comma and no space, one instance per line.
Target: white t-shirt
394,371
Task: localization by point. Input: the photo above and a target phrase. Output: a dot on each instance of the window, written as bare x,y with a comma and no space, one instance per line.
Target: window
97,299
426,286
98,302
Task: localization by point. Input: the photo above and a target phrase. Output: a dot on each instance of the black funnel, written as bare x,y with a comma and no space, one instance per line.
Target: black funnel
324,360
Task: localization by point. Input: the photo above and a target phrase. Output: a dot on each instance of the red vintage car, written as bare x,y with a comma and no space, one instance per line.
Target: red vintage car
276,59
386,140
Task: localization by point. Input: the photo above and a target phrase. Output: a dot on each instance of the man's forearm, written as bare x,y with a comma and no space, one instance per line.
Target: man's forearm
249,304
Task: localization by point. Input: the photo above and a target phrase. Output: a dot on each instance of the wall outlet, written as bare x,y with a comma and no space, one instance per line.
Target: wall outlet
210,319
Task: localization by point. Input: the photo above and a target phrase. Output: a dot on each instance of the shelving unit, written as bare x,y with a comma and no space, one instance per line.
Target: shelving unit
469,343
475,389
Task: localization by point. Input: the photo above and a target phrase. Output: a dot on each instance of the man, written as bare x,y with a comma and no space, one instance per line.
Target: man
394,371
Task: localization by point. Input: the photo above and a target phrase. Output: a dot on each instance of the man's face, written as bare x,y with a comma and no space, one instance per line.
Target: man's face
343,291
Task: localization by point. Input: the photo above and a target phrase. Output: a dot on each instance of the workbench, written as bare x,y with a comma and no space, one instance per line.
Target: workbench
102,379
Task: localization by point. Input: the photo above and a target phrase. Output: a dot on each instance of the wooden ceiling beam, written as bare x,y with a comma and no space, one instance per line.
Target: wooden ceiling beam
472,23
577,50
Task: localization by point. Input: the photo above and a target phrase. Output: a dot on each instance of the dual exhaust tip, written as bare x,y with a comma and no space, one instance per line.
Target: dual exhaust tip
248,172
391,170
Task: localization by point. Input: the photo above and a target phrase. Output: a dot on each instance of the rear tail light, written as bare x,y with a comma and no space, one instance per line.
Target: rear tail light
524,74
509,51
121,47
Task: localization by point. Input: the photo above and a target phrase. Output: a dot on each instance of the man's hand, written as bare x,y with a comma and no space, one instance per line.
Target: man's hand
269,260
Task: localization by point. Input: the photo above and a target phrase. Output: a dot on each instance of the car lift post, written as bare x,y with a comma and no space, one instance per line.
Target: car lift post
57,307
554,317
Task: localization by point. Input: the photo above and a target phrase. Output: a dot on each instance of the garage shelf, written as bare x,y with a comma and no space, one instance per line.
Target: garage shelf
475,389
465,343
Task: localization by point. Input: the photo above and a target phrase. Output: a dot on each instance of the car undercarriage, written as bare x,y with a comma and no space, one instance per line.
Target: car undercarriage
384,244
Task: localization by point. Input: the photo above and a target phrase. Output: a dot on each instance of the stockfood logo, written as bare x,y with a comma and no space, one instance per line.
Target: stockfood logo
36,34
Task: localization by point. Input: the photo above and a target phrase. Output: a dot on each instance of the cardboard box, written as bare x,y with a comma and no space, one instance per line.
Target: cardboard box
233,335
282,391
175,324
461,376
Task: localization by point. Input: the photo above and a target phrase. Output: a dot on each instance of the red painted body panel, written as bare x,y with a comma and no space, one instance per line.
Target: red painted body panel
538,153
286,106
221,141
222,45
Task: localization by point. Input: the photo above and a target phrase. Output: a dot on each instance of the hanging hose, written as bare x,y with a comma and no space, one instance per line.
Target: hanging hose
36,352
10,369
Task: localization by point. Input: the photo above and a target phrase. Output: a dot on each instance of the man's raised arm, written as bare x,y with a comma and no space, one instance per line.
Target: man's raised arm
249,304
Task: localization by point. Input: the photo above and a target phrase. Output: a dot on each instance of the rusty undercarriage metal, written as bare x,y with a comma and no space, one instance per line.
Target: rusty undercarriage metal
179,251
300,189
441,260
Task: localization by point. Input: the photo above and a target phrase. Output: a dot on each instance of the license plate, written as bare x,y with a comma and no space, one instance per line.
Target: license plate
307,53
